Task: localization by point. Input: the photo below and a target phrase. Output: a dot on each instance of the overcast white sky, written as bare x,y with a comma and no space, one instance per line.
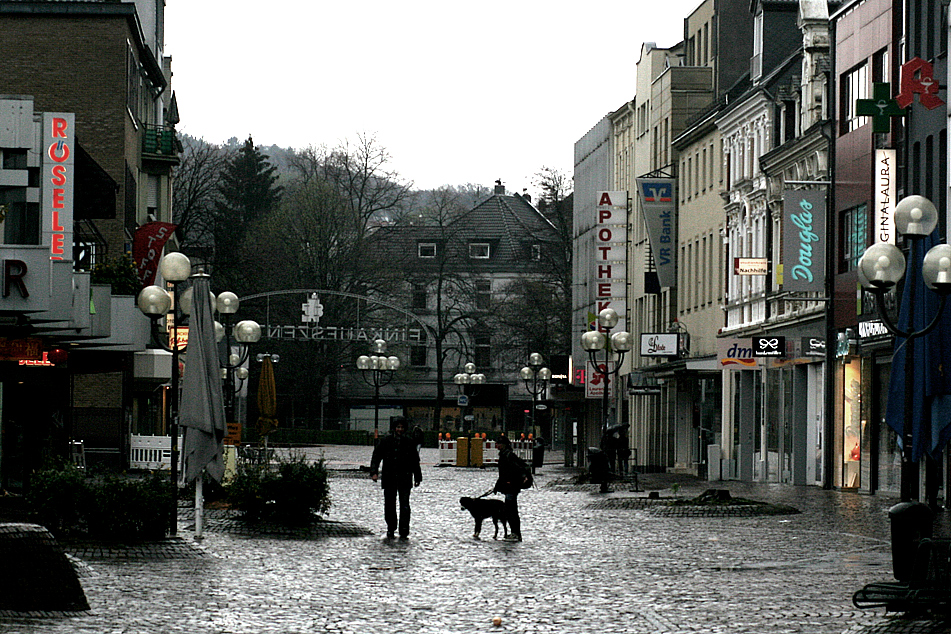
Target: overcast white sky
457,92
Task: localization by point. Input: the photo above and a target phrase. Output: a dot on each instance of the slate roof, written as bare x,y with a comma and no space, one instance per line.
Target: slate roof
509,224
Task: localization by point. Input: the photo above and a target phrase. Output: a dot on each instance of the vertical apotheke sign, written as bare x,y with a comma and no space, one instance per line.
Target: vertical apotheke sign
59,183
804,242
885,191
610,253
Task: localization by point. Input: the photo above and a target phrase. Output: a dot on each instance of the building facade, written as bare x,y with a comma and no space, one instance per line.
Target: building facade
103,64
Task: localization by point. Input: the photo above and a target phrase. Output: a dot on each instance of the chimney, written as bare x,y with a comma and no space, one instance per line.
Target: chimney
526,196
499,188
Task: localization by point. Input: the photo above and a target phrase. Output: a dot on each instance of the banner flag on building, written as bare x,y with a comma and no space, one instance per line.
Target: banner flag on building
804,241
147,247
659,205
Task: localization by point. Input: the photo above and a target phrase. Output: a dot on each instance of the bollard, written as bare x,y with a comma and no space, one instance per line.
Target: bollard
598,467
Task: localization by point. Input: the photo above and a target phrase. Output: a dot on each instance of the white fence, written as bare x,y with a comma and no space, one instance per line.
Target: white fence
153,453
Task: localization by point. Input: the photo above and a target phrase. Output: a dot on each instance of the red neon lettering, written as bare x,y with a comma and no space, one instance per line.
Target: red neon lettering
59,199
59,175
59,127
605,199
604,252
604,214
59,152
56,225
604,235
58,249
604,289
604,270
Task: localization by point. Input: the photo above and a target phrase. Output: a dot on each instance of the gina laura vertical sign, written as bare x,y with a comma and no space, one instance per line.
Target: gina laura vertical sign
804,243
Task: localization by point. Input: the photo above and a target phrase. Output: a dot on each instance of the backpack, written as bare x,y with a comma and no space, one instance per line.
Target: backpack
526,472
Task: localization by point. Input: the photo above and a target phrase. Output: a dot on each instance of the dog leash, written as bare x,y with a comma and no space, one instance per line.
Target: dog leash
489,492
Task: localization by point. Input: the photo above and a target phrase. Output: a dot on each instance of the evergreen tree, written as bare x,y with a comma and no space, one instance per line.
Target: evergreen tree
248,193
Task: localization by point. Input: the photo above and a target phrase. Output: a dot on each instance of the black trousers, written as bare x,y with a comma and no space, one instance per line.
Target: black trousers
389,508
511,514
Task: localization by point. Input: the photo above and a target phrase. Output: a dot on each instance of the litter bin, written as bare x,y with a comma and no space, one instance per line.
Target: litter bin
910,523
598,467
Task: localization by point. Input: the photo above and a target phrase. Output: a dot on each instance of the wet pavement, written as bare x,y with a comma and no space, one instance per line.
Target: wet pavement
589,562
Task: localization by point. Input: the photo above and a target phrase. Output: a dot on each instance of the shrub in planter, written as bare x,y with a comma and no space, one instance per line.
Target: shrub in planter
59,500
130,509
291,495
245,492
69,504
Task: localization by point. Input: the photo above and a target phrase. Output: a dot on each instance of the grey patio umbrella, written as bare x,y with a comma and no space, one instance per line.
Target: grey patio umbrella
202,406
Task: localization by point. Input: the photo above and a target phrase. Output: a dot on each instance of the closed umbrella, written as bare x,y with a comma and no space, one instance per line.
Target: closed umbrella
202,406
267,399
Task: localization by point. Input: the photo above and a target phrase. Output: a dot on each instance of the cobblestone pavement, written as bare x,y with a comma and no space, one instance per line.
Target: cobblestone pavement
584,566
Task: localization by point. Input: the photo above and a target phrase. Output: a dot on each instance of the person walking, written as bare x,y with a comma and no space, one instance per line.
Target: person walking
401,472
514,475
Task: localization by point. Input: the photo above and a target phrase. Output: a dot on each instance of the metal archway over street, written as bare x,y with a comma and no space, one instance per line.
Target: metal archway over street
310,329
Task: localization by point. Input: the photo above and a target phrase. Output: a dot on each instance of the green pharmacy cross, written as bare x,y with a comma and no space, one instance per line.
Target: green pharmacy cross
881,107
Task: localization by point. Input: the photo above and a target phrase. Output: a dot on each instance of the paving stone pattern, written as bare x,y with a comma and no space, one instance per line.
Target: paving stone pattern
583,567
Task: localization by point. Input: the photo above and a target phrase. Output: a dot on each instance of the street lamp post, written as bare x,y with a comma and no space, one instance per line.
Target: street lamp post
245,332
879,270
469,382
155,302
377,370
619,343
536,378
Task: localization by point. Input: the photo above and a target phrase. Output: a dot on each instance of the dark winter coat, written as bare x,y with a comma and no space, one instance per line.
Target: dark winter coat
513,472
400,462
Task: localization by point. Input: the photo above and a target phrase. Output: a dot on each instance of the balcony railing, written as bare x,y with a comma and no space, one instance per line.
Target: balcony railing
159,140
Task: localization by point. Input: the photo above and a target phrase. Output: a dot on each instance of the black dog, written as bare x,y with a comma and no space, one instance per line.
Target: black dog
481,509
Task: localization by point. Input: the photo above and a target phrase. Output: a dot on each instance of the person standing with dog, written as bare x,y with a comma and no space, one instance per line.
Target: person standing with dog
401,472
514,475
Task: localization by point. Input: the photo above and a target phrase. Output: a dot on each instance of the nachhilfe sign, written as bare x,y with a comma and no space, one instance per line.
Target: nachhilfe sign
58,184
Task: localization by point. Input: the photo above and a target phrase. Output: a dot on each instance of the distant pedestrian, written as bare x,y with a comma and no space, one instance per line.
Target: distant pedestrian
401,472
514,475
609,447
623,454
418,438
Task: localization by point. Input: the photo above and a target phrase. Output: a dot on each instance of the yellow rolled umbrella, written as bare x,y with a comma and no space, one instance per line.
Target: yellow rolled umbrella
267,398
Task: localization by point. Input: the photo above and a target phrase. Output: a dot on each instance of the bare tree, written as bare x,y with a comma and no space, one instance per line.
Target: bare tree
197,178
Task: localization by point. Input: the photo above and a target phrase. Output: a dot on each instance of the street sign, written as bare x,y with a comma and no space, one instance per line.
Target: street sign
462,401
